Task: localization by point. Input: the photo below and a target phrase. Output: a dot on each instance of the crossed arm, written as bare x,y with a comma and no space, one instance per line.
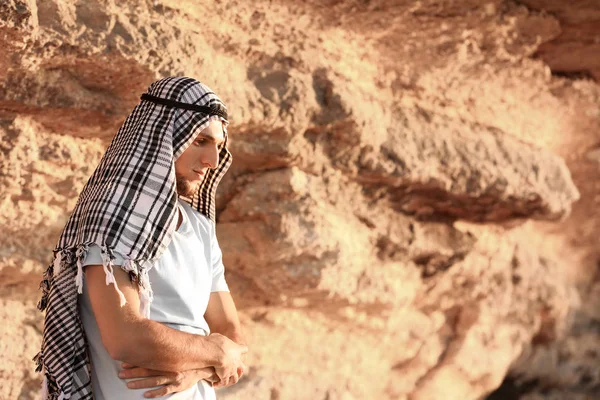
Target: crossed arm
222,317
131,338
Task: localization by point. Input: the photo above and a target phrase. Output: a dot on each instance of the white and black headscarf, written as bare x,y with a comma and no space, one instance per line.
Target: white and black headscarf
128,207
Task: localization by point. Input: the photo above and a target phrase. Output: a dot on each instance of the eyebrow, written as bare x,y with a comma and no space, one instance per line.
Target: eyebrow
210,138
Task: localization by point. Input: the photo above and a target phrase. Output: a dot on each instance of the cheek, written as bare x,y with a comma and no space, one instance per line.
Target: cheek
180,164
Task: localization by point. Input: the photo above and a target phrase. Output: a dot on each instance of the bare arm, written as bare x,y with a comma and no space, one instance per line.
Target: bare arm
131,338
222,317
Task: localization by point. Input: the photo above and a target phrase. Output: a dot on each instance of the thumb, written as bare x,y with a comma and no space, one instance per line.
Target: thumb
241,369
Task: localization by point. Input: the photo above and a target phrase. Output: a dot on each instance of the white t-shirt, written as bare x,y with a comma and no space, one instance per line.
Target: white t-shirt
182,280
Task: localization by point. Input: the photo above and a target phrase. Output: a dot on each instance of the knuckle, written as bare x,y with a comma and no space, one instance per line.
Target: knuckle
178,378
164,380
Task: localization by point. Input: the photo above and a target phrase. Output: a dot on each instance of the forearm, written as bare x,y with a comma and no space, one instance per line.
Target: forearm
153,345
222,317
233,332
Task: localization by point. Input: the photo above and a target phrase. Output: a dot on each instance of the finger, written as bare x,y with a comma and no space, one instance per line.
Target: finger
205,373
222,383
212,378
160,392
224,373
138,372
219,384
127,365
231,381
149,382
226,382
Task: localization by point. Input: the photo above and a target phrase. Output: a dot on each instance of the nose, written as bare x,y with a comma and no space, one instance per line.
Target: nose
210,157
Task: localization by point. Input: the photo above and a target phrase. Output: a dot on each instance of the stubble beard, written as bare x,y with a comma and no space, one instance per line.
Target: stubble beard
185,187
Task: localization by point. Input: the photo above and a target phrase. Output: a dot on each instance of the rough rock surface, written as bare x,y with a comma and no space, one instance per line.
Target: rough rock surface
411,213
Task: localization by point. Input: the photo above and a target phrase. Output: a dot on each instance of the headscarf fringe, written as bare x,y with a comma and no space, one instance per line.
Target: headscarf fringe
38,359
107,264
80,255
146,293
45,285
50,391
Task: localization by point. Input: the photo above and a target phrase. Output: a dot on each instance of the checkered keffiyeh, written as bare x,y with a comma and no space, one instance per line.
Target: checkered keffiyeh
129,207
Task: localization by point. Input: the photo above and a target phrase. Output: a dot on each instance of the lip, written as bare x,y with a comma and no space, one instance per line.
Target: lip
200,174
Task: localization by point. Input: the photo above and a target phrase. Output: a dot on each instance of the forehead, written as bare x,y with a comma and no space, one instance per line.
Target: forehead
214,130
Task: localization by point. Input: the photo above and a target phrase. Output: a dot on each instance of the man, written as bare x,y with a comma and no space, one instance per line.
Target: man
145,223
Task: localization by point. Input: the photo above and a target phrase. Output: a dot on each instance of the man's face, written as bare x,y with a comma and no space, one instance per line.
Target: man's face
201,155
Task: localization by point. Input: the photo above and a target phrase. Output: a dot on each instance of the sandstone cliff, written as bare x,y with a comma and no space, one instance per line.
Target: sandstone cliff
412,209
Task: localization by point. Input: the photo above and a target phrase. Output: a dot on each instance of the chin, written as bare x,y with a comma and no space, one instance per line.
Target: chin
194,183
187,187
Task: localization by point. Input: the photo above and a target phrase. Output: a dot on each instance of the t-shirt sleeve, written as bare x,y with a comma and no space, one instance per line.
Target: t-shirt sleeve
218,269
94,257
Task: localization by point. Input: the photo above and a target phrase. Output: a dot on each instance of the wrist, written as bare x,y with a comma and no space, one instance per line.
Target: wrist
214,349
235,335
210,351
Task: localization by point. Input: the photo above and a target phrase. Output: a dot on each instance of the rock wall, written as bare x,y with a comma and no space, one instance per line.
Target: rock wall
411,213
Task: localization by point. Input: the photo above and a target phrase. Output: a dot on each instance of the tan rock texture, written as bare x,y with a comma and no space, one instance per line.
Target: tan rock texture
412,212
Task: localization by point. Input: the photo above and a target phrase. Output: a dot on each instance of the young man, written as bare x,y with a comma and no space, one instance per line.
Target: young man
145,223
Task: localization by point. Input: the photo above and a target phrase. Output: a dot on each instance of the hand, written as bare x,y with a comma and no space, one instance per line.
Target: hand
229,366
232,380
170,382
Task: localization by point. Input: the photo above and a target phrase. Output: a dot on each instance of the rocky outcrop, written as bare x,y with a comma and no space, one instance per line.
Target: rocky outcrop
401,219
574,51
